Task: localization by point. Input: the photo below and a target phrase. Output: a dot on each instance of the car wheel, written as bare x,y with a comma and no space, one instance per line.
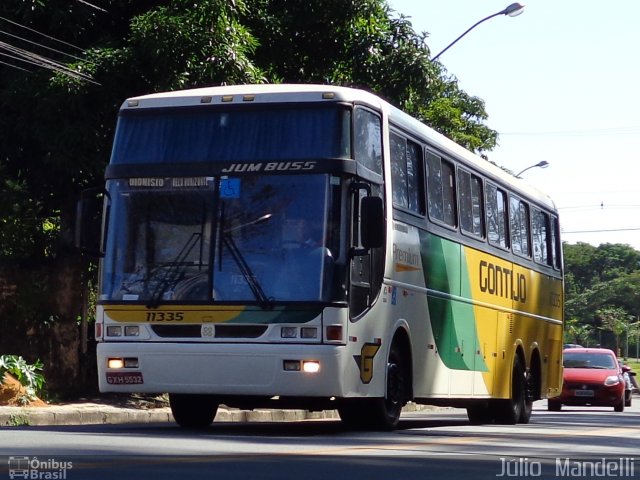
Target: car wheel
620,406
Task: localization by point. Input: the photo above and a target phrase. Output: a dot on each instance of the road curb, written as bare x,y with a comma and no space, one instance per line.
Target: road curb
97,414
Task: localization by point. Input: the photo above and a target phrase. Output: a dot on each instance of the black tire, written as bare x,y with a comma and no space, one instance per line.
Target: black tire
627,398
517,408
481,414
193,411
554,405
380,413
620,406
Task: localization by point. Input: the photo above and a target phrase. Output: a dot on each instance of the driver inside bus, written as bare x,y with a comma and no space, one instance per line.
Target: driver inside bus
308,261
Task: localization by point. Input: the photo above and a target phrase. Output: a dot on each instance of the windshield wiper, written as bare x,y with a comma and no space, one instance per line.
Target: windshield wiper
174,273
247,273
227,240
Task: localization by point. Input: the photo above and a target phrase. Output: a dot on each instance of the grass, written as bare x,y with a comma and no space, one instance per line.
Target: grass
633,363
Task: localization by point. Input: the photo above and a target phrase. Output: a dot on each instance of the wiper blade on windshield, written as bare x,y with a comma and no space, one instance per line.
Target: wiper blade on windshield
247,273
174,273
228,241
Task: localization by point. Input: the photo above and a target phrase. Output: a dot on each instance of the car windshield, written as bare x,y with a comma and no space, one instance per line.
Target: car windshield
589,360
257,239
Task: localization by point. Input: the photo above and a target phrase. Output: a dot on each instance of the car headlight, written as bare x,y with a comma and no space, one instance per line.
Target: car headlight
612,380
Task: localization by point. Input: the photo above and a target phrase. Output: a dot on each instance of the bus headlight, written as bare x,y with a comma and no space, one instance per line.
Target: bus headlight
311,366
114,331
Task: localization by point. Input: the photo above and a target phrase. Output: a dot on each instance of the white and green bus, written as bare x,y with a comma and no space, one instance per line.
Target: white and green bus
311,246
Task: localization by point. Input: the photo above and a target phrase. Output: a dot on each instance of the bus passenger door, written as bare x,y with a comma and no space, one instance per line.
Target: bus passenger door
367,262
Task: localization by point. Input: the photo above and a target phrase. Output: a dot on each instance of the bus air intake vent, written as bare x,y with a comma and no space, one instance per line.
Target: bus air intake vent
240,331
177,331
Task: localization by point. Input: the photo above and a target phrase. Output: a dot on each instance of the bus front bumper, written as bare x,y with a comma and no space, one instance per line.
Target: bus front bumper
222,369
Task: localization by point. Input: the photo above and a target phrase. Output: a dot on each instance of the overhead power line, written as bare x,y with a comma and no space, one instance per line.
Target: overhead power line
92,5
604,230
39,60
625,130
25,56
49,37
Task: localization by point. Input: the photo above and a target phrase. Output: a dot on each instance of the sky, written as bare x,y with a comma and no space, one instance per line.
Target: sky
560,84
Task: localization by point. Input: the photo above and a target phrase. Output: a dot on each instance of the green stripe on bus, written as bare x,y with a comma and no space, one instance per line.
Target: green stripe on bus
453,322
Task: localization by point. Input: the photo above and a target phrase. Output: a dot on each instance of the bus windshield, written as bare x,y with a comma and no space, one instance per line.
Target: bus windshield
259,239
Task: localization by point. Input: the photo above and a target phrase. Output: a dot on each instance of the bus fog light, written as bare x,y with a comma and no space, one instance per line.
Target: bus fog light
311,366
309,332
131,331
289,332
114,331
291,365
131,363
115,363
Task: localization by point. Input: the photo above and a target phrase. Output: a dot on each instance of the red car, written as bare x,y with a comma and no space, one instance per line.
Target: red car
592,376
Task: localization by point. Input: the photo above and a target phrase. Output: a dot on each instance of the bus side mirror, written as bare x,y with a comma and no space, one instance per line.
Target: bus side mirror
371,222
89,221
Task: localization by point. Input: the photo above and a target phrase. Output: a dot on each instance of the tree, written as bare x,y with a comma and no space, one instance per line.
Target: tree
577,332
614,319
59,113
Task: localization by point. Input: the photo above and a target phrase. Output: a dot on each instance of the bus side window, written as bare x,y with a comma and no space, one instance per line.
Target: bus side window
470,203
441,190
497,216
555,243
407,175
520,228
368,140
541,232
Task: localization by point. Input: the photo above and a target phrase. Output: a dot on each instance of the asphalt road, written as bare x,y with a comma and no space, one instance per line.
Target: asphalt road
574,443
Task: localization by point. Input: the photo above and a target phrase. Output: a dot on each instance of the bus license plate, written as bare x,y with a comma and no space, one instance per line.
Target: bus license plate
583,393
124,378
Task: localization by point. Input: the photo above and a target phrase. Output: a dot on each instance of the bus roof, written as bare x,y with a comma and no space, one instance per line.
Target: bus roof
296,93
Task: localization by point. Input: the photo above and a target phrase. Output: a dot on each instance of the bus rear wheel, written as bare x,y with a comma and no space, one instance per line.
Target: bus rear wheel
518,408
193,411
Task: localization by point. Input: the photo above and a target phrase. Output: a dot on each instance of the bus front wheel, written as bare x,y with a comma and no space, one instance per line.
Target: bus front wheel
193,411
380,413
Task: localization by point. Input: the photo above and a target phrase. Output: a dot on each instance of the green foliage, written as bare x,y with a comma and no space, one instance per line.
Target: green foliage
17,421
577,332
29,375
602,287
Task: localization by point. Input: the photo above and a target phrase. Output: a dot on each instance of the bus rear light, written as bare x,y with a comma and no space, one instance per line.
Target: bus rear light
114,331
115,363
311,366
291,365
334,333
98,330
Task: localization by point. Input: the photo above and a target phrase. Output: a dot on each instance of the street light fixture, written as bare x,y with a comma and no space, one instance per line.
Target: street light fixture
512,10
542,164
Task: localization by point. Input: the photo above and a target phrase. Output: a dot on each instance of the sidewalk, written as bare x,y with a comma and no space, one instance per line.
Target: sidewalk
102,414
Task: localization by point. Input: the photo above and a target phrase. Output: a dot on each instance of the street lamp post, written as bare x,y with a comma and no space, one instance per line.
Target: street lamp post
542,164
512,10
